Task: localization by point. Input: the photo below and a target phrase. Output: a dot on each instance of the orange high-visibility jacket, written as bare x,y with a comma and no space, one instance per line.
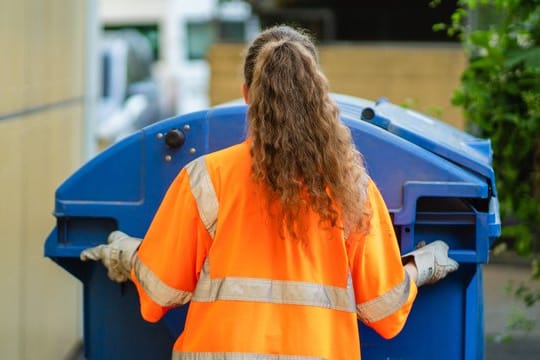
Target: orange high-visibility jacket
254,294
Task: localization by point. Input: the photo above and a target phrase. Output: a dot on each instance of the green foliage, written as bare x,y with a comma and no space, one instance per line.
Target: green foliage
500,95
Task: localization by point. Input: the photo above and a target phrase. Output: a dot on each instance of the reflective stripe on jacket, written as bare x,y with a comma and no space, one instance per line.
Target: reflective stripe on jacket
255,295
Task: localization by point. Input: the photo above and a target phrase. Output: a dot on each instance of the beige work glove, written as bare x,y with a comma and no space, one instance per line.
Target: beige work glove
116,256
432,262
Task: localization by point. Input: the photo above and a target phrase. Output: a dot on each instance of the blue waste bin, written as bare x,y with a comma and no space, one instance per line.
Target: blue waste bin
437,182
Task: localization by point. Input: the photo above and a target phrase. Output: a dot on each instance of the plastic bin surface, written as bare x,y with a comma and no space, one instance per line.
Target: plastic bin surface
437,182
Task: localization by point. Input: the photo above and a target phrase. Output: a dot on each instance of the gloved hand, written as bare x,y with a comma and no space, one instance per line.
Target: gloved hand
432,262
116,256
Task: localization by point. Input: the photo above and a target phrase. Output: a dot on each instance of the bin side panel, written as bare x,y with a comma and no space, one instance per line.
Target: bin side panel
436,325
474,315
113,326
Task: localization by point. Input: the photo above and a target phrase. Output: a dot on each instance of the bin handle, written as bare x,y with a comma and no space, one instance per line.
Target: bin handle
413,190
464,256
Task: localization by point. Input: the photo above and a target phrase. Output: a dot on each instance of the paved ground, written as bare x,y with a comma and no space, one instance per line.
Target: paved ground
502,310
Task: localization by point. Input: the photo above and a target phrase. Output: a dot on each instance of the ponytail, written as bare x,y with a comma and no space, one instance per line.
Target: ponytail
301,152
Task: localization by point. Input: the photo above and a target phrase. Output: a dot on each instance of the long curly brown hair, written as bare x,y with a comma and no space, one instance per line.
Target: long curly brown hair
301,151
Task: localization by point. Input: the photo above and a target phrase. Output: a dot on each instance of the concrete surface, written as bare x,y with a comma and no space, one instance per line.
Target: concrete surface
502,309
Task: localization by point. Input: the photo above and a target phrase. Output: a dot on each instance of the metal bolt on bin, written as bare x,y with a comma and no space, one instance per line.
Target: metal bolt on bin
437,181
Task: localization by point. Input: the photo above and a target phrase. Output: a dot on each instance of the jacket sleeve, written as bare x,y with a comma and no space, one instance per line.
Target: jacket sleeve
383,291
171,256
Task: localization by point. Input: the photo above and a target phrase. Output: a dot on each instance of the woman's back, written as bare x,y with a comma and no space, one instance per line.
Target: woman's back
256,281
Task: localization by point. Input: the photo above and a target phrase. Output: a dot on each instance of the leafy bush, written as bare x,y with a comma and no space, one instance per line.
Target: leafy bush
500,95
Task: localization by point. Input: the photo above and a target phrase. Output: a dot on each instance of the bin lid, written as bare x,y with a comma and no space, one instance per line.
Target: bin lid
408,155
424,131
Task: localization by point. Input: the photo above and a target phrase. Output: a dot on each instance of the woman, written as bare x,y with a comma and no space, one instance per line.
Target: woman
280,242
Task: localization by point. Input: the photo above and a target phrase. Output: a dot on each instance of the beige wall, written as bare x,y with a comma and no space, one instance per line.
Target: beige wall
41,117
422,77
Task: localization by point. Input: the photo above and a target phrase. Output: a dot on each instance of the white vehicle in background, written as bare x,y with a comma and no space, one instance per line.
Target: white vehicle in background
177,81
198,25
129,94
